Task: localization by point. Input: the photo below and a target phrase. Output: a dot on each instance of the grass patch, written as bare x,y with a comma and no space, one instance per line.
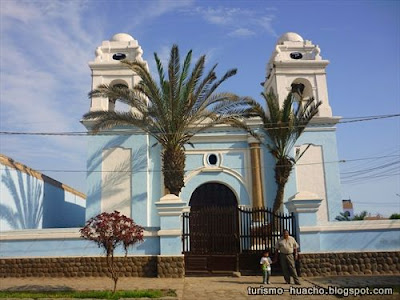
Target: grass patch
89,294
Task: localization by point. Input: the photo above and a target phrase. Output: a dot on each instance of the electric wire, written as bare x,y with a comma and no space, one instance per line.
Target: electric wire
266,166
136,132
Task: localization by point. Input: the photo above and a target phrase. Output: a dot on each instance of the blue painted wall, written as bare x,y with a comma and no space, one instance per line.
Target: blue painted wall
234,173
139,167
327,139
71,247
352,240
27,202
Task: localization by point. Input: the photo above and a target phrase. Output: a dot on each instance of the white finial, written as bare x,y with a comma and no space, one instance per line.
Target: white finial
317,51
99,54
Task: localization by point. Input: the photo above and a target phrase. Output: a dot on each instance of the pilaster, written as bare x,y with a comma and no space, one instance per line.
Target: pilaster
256,177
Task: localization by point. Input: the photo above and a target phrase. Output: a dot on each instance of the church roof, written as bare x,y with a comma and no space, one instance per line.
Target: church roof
9,162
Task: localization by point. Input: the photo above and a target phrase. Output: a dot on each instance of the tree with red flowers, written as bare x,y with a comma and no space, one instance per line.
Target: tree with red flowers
110,230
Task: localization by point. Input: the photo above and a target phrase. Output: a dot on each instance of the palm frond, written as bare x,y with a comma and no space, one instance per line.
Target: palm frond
216,84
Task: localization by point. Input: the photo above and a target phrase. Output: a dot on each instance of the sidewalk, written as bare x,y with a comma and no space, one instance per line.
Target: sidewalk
201,288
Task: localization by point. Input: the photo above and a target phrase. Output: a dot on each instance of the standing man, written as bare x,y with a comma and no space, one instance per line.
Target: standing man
287,248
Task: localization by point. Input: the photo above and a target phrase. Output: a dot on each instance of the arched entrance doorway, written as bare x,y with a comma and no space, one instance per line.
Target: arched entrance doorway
212,194
211,230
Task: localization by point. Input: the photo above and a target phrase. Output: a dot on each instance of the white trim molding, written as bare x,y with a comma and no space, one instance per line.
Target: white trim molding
169,232
353,226
52,234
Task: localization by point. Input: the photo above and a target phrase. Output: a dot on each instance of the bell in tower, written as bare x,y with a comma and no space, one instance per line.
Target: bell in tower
297,63
107,69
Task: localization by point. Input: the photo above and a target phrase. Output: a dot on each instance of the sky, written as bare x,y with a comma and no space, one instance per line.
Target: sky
45,48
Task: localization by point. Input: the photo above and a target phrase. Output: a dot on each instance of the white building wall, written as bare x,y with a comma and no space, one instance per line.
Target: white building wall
310,176
116,175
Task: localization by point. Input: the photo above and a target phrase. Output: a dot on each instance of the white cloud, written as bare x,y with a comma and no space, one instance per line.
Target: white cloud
240,22
242,32
155,9
22,12
44,72
44,79
266,23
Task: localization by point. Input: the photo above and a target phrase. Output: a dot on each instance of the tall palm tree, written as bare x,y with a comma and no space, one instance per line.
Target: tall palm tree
174,109
283,126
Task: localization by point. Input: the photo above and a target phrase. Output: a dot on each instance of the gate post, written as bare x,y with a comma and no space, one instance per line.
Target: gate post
170,209
170,262
304,206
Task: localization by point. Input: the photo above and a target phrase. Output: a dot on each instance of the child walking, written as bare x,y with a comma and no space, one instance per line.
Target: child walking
265,263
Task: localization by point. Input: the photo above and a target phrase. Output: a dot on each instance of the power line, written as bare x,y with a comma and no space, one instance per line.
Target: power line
129,132
381,203
215,168
371,164
369,170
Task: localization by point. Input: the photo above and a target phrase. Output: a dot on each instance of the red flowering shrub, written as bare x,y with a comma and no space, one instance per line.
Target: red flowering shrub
110,230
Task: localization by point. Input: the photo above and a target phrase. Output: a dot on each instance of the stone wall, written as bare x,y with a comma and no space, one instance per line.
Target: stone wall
171,266
131,266
351,263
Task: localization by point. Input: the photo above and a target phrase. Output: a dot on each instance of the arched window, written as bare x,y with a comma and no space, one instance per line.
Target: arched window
307,91
113,103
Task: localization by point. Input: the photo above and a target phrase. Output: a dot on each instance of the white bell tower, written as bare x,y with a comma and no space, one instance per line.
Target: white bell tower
107,69
298,61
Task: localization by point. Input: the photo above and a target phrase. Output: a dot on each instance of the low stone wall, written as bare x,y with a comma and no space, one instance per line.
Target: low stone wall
350,263
171,266
131,266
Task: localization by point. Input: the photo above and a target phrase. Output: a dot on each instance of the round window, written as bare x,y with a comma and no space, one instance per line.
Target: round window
119,56
212,159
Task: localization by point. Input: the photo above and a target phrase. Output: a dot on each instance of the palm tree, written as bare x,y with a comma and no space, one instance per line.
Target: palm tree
361,216
283,126
172,110
343,216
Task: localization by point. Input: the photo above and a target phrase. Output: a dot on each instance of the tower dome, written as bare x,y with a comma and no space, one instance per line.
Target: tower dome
290,37
121,37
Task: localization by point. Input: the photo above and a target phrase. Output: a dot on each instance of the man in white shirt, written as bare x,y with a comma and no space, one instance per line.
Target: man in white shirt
287,248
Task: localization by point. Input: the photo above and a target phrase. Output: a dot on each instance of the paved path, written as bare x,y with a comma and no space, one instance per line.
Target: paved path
201,288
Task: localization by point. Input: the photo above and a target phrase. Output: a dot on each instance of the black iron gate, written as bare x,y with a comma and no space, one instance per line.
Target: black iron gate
227,239
210,239
260,230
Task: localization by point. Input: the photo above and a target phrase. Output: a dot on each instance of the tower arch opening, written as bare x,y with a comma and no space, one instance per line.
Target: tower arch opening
115,105
307,91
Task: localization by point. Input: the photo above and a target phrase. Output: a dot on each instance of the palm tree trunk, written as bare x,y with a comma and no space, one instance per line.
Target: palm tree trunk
279,198
173,169
283,169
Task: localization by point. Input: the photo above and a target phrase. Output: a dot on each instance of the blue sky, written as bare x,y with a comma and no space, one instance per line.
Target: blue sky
45,47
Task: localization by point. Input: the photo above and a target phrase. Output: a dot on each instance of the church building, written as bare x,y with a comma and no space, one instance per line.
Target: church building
226,164
226,168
